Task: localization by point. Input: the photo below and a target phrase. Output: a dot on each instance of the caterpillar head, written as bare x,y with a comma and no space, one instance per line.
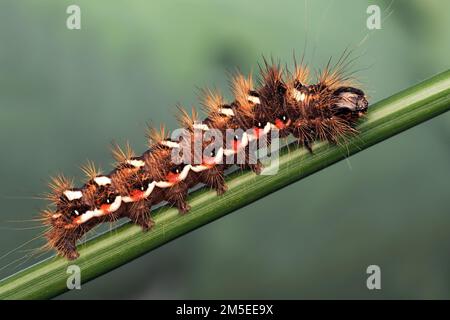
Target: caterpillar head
350,102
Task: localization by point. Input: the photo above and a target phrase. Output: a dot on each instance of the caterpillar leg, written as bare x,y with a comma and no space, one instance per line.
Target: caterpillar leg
219,185
303,135
308,146
256,168
139,213
178,199
183,206
68,250
65,245
215,179
252,163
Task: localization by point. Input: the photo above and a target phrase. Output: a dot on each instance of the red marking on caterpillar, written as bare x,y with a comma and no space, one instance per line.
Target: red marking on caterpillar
172,177
284,101
136,195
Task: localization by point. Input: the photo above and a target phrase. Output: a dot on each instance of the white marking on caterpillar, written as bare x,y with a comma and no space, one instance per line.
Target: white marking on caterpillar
149,190
181,176
201,126
266,130
219,156
102,181
136,163
227,111
164,184
299,96
200,168
254,99
170,144
88,215
73,195
228,152
115,205
146,194
267,127
217,160
244,141
252,137
184,172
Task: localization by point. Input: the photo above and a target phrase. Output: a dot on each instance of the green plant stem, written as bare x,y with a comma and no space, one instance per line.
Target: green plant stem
110,250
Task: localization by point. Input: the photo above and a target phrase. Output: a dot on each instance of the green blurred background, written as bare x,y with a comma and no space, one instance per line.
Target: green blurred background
65,94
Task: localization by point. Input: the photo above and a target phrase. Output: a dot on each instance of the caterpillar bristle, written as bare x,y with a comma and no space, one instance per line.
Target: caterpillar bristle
120,180
58,184
337,75
299,77
120,154
46,215
155,136
242,88
90,170
186,120
212,101
271,73
154,161
213,104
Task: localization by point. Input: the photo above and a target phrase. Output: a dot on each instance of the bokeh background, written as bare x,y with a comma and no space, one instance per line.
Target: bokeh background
66,94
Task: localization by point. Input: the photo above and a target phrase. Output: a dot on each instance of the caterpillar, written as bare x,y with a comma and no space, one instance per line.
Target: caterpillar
283,102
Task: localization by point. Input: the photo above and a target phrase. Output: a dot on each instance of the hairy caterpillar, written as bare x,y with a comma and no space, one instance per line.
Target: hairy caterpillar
283,102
